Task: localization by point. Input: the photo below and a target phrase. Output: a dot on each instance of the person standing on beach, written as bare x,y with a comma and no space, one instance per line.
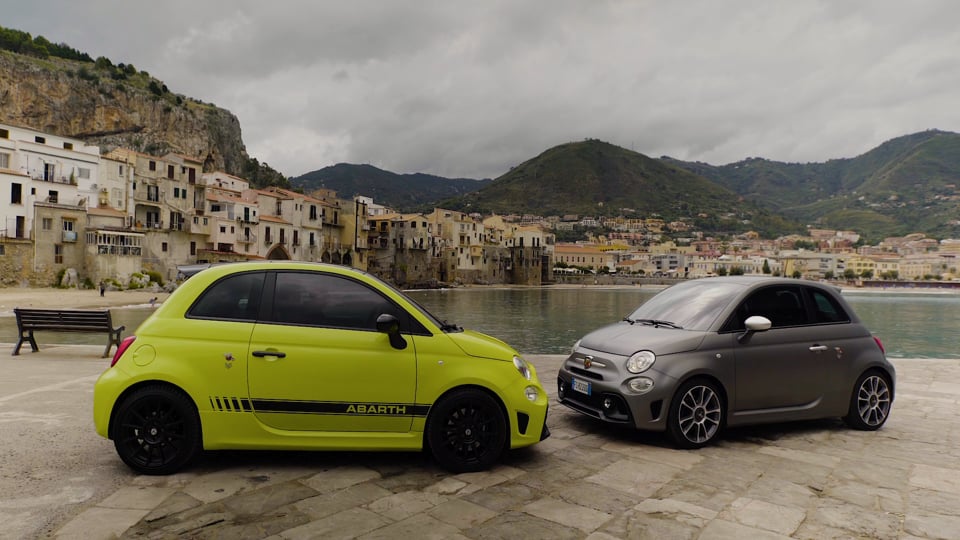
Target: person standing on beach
103,287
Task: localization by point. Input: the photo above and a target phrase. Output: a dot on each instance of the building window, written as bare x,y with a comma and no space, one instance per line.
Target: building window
153,165
4,160
121,170
163,247
170,171
193,248
53,196
57,254
4,133
83,172
16,193
68,146
68,225
40,139
47,223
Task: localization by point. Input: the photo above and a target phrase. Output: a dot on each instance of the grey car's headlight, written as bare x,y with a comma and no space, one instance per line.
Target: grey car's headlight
640,361
522,367
575,346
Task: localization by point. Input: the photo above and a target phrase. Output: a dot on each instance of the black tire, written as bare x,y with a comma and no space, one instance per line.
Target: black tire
156,430
466,431
870,401
696,415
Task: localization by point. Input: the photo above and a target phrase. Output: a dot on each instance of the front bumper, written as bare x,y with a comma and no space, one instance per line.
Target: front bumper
607,401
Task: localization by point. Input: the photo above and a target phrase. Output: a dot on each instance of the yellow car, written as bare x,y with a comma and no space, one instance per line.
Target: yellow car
304,356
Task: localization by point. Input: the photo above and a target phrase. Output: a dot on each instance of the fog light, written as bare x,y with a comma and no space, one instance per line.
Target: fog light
607,403
531,393
641,385
561,389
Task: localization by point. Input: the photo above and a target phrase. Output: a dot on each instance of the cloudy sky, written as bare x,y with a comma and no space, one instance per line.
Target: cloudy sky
469,89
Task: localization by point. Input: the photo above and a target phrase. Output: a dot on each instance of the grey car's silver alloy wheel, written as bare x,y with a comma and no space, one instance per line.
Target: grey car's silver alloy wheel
696,416
870,404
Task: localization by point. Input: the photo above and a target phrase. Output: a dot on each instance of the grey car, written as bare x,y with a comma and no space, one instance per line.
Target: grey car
730,351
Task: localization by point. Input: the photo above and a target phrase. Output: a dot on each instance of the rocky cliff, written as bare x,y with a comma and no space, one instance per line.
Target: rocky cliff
110,107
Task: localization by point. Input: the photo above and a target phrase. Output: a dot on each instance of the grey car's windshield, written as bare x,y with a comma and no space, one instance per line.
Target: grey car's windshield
692,305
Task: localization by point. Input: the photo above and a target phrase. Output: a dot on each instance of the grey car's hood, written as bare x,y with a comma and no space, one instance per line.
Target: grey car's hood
625,339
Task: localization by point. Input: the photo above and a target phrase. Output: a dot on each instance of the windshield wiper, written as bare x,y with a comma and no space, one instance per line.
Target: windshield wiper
448,327
656,323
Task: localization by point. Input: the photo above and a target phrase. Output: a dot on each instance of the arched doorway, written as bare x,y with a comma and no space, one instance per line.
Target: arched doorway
325,257
347,260
278,253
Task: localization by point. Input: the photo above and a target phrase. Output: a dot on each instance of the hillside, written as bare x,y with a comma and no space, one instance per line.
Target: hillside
404,192
111,105
908,184
597,178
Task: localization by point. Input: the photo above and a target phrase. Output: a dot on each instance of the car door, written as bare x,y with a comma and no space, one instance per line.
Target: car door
784,366
317,362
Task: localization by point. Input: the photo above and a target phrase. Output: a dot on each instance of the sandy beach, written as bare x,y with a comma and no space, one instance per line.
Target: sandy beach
73,298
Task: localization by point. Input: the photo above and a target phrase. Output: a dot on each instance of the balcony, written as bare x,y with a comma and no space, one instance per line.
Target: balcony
246,238
69,236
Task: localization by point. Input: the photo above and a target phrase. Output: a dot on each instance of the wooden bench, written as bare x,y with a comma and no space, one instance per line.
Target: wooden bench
65,320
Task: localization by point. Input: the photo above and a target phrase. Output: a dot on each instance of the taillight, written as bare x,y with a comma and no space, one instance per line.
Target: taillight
124,345
875,338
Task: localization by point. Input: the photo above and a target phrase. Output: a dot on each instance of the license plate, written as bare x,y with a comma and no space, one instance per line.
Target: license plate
581,386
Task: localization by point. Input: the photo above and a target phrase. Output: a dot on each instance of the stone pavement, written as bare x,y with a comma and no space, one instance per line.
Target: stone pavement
812,480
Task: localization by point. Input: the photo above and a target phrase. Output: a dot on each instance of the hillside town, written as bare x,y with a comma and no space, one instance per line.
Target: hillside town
75,216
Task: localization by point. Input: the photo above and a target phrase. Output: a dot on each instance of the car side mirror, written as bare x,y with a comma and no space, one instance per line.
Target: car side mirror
753,324
390,325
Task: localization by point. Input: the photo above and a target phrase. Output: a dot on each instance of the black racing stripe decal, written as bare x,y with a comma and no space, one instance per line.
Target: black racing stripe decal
339,408
230,404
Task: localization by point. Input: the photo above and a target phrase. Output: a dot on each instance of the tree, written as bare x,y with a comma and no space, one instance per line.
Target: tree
797,274
736,271
866,274
849,273
766,266
722,271
828,275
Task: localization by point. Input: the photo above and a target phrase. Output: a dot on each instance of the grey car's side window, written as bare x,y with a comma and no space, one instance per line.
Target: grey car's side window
235,298
826,309
781,304
317,299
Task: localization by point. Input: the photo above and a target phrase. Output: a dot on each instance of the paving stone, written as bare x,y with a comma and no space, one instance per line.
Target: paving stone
719,529
802,456
346,524
174,504
571,515
936,478
868,496
764,515
610,501
461,514
399,506
521,525
339,477
933,502
640,479
216,486
691,491
332,502
494,476
504,497
267,524
268,498
100,523
781,492
662,456
933,526
637,525
137,498
421,527
857,520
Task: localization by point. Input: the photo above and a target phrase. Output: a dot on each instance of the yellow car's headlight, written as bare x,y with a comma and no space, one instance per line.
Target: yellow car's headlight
522,367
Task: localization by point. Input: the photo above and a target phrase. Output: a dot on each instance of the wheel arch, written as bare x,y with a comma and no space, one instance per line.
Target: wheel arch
710,378
147,383
484,389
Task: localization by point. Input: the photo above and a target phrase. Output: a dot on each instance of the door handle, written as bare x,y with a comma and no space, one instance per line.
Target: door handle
261,354
818,348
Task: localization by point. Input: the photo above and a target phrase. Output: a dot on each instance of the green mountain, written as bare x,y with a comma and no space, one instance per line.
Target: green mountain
595,178
908,184
405,192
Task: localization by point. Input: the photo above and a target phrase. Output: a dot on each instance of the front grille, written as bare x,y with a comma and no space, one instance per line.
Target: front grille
588,374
